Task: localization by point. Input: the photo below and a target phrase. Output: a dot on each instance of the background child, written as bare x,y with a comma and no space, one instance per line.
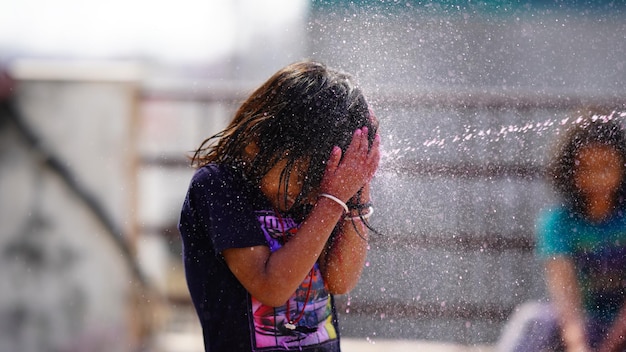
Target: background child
274,222
582,243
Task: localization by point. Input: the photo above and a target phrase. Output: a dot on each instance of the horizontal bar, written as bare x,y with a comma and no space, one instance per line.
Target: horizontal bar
417,310
455,242
407,310
466,170
233,92
460,170
515,99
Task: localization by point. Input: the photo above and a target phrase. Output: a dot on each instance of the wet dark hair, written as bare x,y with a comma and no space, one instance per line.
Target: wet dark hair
596,127
299,114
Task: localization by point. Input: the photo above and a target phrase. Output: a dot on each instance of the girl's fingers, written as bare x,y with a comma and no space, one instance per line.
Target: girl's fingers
357,167
364,146
355,143
364,138
375,149
359,153
333,161
359,143
373,158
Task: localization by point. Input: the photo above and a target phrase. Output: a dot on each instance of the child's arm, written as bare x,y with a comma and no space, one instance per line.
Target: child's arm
342,261
565,293
272,277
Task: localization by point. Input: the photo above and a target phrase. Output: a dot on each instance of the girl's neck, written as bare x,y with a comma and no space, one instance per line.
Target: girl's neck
599,208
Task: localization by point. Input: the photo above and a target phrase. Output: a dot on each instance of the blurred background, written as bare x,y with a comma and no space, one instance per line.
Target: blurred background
101,103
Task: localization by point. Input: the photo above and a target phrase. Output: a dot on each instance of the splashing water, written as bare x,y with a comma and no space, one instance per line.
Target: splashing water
397,149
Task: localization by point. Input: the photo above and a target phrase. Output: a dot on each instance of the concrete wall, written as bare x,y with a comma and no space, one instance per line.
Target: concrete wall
66,280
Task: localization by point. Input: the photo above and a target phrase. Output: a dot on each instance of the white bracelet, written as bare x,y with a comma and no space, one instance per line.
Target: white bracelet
337,200
370,211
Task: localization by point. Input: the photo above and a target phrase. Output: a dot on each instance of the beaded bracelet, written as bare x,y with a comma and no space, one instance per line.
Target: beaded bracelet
370,211
336,200
361,206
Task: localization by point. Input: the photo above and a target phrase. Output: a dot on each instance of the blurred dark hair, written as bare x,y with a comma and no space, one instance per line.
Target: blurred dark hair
595,127
298,114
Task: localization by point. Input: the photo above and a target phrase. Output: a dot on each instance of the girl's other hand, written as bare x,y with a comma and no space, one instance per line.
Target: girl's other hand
344,177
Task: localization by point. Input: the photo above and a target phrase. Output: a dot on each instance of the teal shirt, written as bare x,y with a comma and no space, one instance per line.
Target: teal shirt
598,251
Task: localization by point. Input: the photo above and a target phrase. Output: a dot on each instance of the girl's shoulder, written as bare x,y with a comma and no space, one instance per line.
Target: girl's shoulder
214,179
210,170
215,174
224,181
555,213
556,218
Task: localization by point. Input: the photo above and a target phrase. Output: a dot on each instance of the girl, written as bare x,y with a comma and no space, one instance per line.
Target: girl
583,241
274,221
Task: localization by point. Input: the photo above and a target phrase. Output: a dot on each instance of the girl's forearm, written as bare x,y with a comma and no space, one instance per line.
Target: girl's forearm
295,259
343,261
574,336
344,257
565,294
272,277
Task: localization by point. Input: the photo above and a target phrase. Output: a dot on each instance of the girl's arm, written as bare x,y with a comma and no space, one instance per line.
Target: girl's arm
272,277
342,261
565,293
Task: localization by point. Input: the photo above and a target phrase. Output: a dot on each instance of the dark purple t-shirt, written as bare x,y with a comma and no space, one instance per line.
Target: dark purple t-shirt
222,210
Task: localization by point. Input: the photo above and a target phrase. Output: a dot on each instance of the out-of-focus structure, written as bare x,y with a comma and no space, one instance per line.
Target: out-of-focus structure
471,99
69,275
94,169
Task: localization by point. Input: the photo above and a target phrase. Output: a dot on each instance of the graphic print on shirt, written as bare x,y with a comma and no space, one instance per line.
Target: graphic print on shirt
308,320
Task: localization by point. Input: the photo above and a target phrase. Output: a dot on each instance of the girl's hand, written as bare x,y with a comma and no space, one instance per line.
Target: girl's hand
344,177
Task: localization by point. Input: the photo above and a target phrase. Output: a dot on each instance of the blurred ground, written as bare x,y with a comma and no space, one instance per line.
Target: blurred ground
360,345
185,336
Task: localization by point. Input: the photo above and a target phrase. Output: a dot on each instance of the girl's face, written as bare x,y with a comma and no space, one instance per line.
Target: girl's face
275,191
599,171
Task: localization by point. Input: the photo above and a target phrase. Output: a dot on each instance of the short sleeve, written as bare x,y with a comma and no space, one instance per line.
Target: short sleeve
552,234
224,209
